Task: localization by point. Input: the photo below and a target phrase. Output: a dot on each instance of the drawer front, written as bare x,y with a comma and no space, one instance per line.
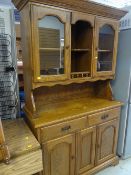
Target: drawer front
101,117
57,130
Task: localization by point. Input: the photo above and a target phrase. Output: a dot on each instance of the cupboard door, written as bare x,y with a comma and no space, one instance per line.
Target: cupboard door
107,141
51,44
106,39
82,34
86,141
59,156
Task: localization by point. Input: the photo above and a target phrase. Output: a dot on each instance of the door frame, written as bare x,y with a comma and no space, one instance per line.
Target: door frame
99,22
39,12
76,16
79,136
49,145
115,124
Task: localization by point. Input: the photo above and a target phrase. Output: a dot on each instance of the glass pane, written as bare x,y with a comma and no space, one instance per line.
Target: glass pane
105,50
51,43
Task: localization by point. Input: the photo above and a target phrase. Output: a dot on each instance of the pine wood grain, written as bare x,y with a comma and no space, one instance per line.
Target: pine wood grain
86,140
26,164
25,151
79,5
52,108
59,156
71,109
19,138
107,135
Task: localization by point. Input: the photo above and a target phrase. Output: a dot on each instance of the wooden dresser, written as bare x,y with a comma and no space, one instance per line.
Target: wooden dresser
69,54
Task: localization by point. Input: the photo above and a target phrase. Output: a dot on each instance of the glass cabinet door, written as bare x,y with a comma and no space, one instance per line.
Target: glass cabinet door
106,46
51,36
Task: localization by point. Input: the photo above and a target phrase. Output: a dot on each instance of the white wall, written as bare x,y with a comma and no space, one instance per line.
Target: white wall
6,3
115,3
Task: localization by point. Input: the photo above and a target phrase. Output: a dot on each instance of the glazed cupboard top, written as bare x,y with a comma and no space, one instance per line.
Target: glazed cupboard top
69,41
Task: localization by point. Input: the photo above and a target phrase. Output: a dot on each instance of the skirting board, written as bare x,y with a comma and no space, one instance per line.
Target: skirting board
112,162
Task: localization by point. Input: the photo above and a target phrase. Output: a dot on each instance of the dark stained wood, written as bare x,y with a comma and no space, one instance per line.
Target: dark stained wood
78,5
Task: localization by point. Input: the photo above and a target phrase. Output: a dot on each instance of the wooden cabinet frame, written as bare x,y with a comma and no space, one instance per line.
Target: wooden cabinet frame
80,137
60,99
76,16
50,146
99,23
87,142
67,18
39,12
101,129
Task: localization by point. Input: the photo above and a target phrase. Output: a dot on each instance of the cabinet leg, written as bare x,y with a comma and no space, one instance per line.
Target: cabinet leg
116,162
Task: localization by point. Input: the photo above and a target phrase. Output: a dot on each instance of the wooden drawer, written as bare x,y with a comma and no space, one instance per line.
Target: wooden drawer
50,132
101,117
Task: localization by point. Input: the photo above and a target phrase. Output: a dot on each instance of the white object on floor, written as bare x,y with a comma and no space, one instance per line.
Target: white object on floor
124,168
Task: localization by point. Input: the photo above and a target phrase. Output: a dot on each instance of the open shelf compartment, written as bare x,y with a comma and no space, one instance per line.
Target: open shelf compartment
81,52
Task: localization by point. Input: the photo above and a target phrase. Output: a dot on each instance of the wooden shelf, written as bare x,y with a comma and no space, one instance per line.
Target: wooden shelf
51,49
80,50
75,73
100,50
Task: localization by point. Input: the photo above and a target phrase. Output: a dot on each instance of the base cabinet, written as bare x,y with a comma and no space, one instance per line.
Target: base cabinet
86,141
59,156
106,141
82,151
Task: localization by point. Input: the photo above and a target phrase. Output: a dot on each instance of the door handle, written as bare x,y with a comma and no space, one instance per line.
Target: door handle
72,157
66,128
67,47
104,117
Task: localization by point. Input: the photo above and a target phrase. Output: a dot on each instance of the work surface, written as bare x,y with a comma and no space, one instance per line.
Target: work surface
19,138
53,113
26,155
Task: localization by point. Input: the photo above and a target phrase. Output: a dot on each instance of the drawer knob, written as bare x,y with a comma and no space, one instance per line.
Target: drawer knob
104,117
67,47
66,128
72,157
